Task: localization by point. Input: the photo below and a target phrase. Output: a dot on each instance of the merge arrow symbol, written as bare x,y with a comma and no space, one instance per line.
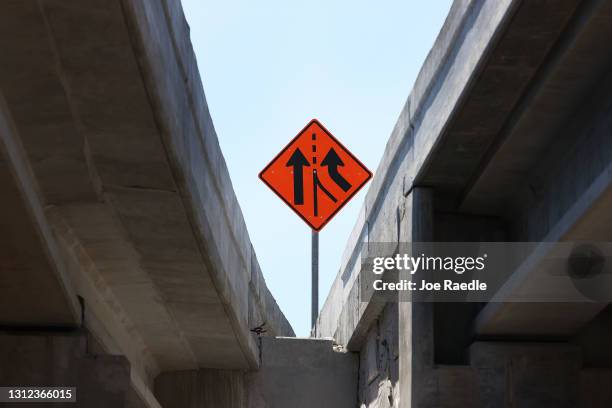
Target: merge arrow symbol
298,162
332,161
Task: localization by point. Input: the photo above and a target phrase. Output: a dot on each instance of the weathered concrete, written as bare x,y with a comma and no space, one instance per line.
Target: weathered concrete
118,211
453,63
538,375
56,359
28,255
379,365
416,320
294,372
202,388
505,127
303,373
573,205
117,191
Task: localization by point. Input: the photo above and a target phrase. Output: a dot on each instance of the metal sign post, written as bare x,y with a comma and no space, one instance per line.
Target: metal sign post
316,176
315,281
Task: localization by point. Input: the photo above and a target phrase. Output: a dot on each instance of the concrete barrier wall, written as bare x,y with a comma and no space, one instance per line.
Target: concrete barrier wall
294,372
68,360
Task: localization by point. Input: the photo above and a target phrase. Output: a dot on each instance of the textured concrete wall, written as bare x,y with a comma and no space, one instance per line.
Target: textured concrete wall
477,82
161,35
108,138
571,175
510,375
379,362
296,373
56,359
467,36
527,375
387,215
202,388
305,373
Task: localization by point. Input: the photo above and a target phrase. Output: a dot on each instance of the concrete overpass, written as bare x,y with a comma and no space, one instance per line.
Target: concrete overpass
504,137
118,215
127,269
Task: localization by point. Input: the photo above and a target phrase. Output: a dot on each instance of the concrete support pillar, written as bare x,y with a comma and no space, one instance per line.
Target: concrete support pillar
416,352
543,375
64,359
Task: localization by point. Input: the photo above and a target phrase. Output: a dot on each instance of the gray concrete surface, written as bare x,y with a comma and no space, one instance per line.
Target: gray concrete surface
294,372
506,126
302,373
379,374
29,256
465,41
56,359
202,388
569,195
117,190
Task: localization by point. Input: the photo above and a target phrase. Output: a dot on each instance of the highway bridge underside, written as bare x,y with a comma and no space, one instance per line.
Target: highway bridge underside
526,157
127,270
124,255
507,136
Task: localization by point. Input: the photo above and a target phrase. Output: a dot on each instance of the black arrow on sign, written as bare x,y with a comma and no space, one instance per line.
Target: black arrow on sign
298,162
332,161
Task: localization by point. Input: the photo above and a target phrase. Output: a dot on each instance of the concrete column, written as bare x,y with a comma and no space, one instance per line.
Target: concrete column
64,359
543,375
416,319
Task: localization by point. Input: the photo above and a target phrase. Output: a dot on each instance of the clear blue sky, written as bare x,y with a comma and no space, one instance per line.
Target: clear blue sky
268,67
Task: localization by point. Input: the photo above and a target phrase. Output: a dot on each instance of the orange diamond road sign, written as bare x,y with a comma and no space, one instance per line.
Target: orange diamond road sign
315,175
